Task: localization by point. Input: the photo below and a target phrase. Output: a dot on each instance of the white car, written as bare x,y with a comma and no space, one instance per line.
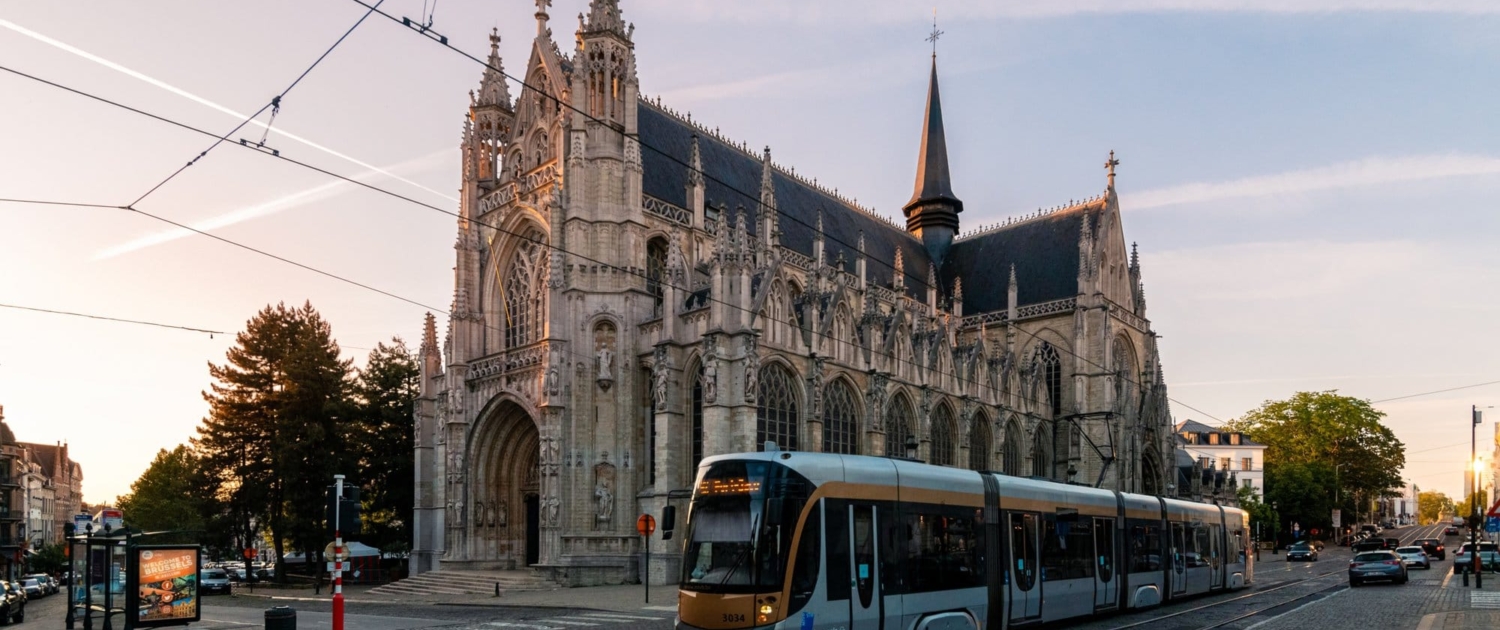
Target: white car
1414,557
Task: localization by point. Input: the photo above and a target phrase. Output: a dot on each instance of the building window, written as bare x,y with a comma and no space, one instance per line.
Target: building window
524,289
1046,364
776,409
1041,455
839,419
1204,462
898,421
942,437
697,420
1011,462
1247,464
656,270
1224,463
980,442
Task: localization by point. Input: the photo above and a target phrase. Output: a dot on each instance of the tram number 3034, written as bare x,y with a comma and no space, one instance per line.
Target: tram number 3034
734,618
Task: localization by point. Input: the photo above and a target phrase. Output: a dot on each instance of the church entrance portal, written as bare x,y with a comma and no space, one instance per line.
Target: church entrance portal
533,529
504,531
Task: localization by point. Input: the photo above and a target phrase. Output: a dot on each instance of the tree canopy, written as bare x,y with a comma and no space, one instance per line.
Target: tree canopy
381,440
1324,451
167,497
1433,506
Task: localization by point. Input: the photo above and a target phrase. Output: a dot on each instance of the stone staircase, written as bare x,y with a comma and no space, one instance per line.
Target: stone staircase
446,583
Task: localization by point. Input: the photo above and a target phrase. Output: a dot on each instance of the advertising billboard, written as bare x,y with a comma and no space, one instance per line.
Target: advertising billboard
167,585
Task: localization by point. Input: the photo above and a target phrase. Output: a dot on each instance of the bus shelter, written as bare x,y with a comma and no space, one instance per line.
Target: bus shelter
117,582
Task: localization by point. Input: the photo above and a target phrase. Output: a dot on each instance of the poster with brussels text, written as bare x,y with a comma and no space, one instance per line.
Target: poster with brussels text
165,588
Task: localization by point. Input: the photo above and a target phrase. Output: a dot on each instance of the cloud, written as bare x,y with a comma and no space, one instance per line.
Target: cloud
68,48
898,11
1373,171
267,208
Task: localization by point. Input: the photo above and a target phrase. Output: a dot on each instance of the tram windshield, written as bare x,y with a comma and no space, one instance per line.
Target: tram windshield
740,526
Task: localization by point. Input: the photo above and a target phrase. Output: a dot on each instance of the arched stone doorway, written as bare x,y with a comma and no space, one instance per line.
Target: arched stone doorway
503,530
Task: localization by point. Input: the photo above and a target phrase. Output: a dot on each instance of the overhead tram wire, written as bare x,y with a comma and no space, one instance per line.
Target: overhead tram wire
753,199
1436,391
49,311
274,105
45,202
497,228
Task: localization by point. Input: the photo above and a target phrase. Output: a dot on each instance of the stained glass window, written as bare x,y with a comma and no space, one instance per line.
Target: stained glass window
840,422
898,421
776,409
942,437
524,289
981,442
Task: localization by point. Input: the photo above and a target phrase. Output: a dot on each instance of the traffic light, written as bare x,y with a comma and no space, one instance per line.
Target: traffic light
348,513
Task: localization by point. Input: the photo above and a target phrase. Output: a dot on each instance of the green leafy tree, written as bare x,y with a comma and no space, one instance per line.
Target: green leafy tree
51,559
1263,518
1356,458
269,445
166,497
1299,492
1465,508
1433,505
381,438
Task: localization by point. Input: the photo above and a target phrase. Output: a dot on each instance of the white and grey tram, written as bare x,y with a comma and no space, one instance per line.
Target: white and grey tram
814,541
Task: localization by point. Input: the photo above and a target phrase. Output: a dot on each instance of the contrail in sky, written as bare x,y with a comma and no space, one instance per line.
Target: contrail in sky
205,102
265,208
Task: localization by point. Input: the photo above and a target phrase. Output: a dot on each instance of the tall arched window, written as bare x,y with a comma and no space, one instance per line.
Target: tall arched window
697,421
1124,375
1014,454
776,409
656,270
1046,365
981,442
524,288
840,422
898,421
942,436
1041,454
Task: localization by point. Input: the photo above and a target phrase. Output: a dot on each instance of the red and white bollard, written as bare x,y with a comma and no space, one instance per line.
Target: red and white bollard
338,552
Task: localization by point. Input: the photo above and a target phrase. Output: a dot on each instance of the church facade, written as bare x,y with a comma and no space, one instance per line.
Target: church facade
634,292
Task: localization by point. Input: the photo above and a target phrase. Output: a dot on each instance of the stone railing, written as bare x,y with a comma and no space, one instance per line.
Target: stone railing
666,210
1130,319
1046,308
508,361
508,192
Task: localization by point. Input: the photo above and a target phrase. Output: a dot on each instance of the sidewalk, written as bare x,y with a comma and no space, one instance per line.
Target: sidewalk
616,598
1459,607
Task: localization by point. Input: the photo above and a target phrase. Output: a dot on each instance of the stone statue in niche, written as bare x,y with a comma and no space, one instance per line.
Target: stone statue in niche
479,509
502,513
604,494
554,376
710,369
553,506
661,368
604,354
752,370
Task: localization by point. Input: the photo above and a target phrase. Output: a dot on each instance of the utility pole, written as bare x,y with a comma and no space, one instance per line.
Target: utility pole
1478,417
338,553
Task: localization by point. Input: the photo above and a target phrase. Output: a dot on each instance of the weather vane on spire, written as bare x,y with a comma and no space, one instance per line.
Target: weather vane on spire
935,34
1109,166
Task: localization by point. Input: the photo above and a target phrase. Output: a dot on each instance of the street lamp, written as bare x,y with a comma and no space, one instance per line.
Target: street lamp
911,446
1474,519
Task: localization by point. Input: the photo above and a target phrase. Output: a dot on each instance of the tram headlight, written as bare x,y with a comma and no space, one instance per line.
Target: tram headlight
766,609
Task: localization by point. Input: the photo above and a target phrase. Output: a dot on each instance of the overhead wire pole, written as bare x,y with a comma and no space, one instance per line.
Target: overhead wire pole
338,552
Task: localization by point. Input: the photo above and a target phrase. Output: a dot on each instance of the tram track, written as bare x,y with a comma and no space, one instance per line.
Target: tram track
1406,539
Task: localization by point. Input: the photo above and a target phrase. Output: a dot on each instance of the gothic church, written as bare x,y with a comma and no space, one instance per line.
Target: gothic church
634,292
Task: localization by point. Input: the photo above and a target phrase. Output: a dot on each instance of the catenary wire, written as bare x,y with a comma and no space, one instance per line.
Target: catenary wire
44,202
1436,391
754,199
794,325
111,319
274,105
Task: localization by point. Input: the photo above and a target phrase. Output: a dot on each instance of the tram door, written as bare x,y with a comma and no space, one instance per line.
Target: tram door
1106,589
864,566
1179,560
1025,586
1215,557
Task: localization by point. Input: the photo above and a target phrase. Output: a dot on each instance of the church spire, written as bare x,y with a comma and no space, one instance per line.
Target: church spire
933,210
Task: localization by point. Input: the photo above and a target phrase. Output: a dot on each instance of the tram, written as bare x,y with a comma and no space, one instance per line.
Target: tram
815,541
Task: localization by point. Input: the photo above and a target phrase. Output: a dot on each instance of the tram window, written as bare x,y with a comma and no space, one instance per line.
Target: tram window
1067,548
944,552
1198,548
1145,546
809,555
1104,547
837,518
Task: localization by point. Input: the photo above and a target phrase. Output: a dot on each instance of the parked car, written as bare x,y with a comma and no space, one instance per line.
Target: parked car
1489,558
214,581
12,603
15,587
1376,565
1433,547
1414,556
43,581
1302,551
34,588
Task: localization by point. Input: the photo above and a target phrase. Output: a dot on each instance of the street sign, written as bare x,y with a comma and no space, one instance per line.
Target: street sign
1337,516
338,566
249,553
646,524
1492,524
1494,509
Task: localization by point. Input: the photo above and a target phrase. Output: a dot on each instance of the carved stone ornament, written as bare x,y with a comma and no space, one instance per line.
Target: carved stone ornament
604,355
660,373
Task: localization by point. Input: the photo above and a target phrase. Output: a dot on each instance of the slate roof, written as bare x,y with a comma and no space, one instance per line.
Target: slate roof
666,179
44,455
1193,426
1044,250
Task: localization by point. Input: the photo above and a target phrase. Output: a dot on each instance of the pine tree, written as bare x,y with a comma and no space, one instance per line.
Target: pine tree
270,441
385,397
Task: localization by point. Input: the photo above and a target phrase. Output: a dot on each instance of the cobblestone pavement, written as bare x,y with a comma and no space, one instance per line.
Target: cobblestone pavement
237,613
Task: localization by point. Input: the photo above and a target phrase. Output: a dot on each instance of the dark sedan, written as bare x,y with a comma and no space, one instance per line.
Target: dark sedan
1433,547
1376,565
1302,551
